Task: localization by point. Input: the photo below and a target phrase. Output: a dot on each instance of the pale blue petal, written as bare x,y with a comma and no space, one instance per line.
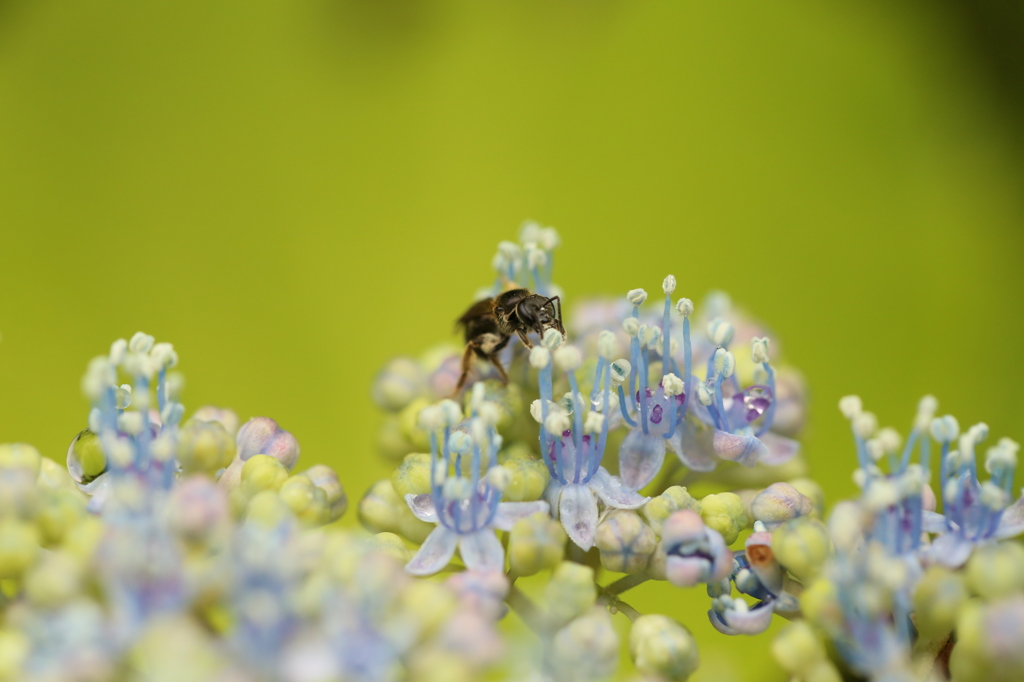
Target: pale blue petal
613,493
510,512
1011,523
693,444
577,509
435,553
742,449
640,458
482,551
780,449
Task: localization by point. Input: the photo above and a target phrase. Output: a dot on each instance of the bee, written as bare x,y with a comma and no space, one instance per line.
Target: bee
490,323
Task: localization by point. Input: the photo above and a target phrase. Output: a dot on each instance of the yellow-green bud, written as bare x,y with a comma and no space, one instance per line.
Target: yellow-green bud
779,503
810,489
797,648
205,446
586,649
724,512
14,649
822,671
382,510
263,472
939,596
53,476
325,478
820,605
570,592
408,424
57,513
307,502
19,544
427,604
662,647
20,456
996,570
435,664
391,442
267,509
802,546
661,507
54,581
83,537
86,459
626,543
527,479
412,476
535,543
391,545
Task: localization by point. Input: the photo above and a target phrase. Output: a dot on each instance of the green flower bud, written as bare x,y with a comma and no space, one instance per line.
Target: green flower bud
660,646
263,472
656,564
391,545
724,512
19,544
408,424
997,570
797,648
819,603
20,456
939,596
626,543
528,477
427,604
535,543
812,491
53,476
204,446
570,592
265,508
54,581
672,500
391,442
382,510
57,513
412,477
325,478
802,546
307,502
86,459
779,503
14,649
586,649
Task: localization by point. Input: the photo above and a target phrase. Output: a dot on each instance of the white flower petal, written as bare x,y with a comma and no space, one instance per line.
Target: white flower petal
435,553
510,512
613,493
577,509
482,551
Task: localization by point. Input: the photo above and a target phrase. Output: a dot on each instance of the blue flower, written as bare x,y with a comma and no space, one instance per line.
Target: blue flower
467,509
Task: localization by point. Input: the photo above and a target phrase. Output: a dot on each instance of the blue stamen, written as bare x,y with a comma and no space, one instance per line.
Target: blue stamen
622,408
577,416
597,379
687,365
161,389
643,390
720,404
769,415
598,453
546,389
666,345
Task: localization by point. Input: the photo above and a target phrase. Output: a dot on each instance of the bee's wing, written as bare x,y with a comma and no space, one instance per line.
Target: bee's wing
478,309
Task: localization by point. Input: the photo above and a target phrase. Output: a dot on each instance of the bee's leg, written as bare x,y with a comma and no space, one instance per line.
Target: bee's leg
467,364
524,338
497,365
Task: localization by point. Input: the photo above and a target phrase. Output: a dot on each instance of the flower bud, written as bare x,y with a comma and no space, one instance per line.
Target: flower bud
412,476
659,508
939,596
528,477
797,648
227,418
306,501
21,456
779,503
625,542
400,382
724,513
204,447
382,510
537,542
325,478
663,648
19,547
262,436
570,592
996,571
802,546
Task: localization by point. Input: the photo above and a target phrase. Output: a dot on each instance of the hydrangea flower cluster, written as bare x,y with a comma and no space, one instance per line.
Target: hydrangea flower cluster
179,545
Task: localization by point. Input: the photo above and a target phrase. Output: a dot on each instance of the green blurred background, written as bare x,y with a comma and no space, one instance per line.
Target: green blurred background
294,192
